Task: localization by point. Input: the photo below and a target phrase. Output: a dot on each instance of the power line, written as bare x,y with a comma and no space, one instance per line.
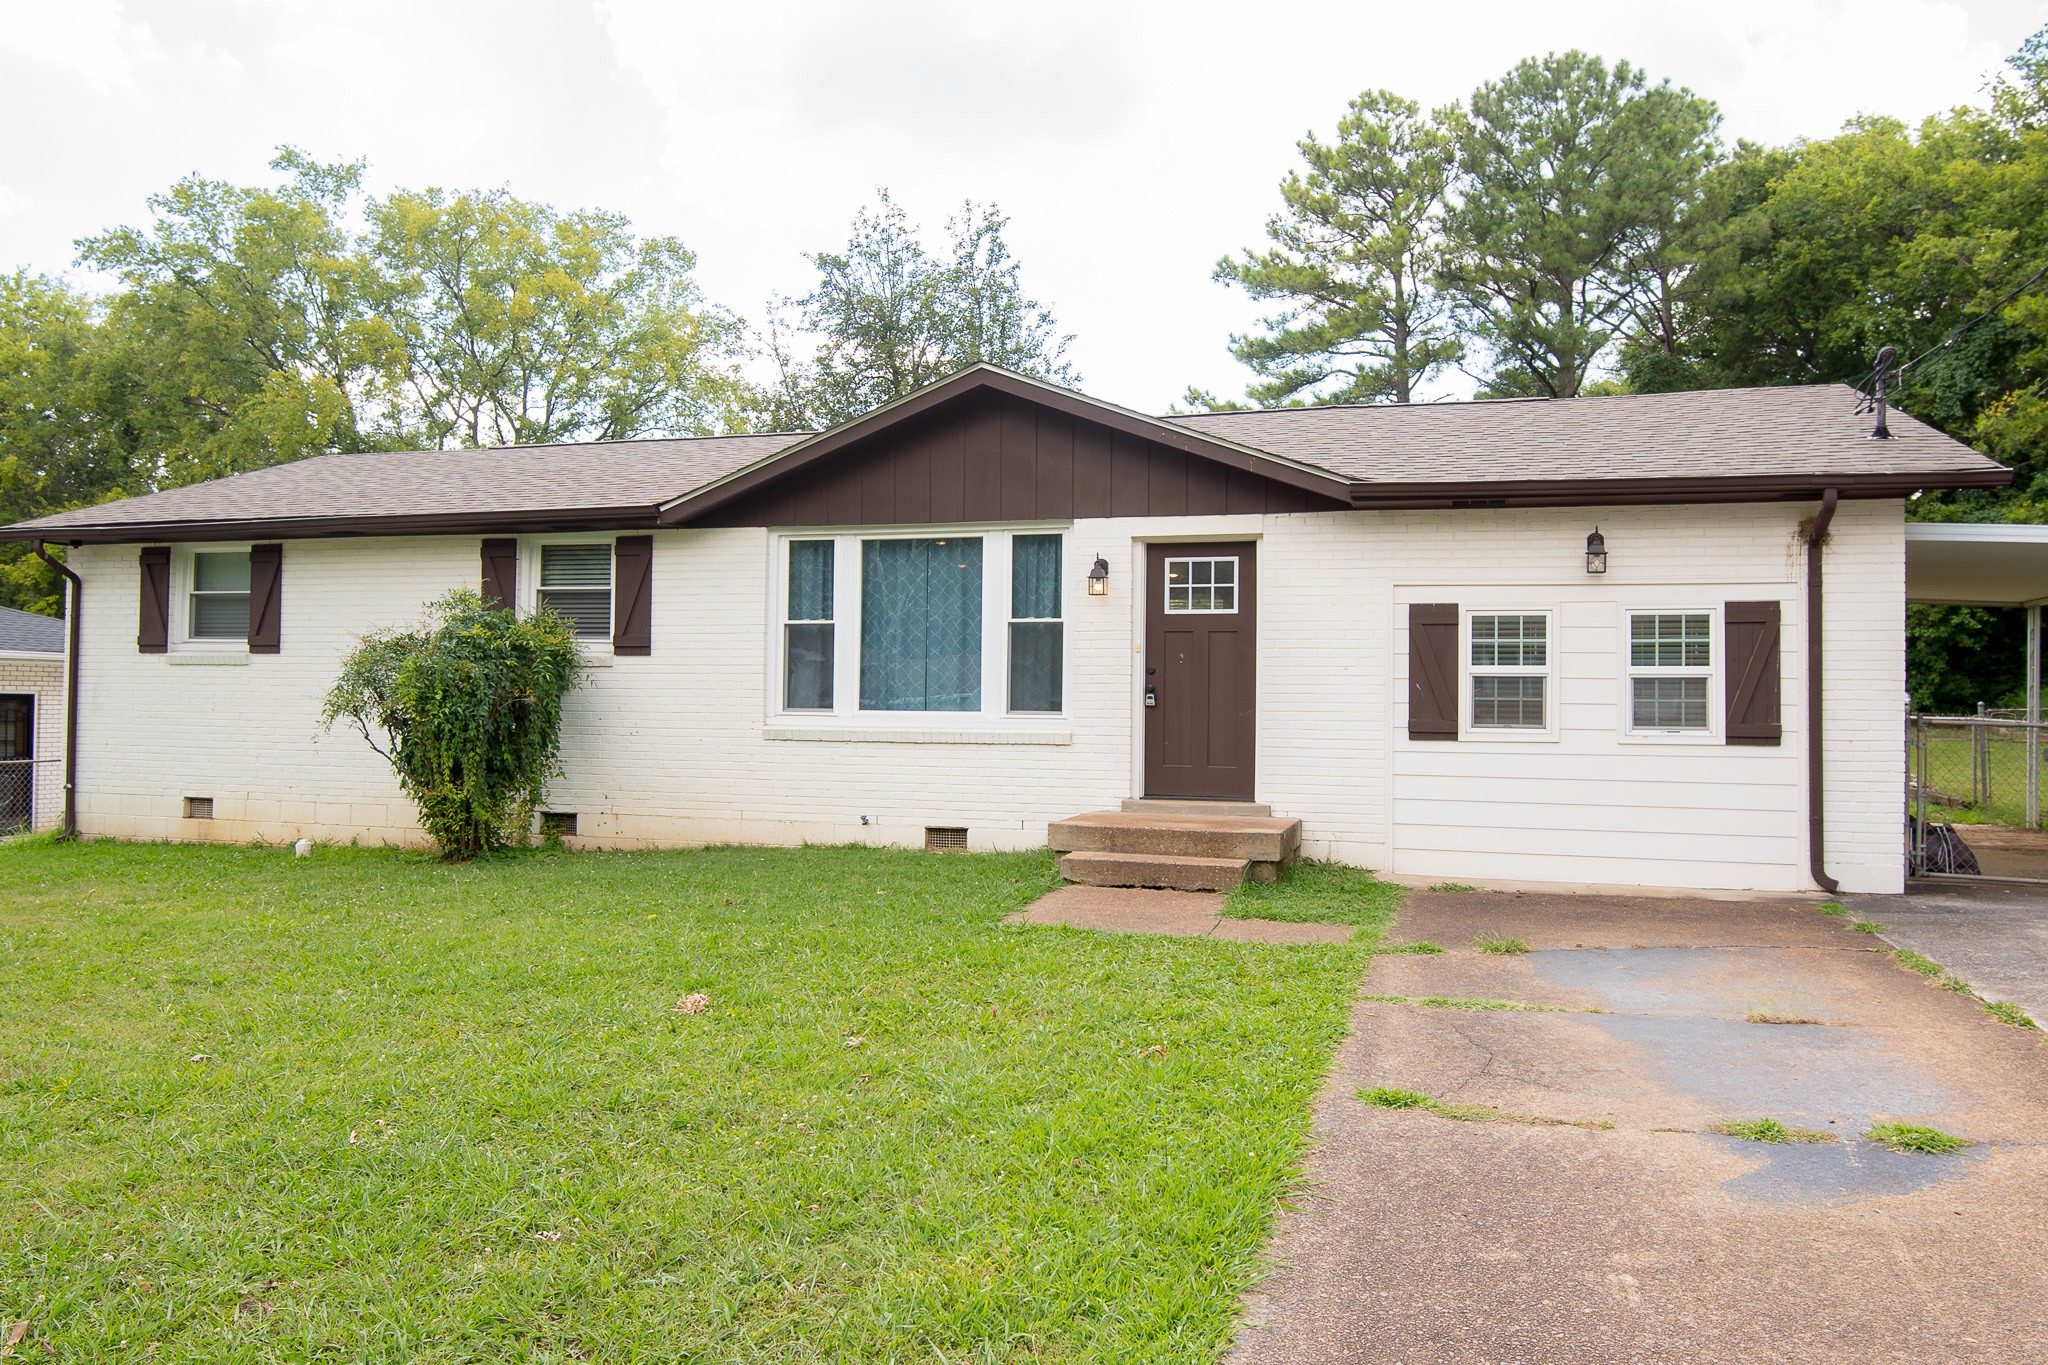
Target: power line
1879,374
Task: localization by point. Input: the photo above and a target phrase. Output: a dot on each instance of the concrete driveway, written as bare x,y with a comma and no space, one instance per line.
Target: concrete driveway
1993,935
1525,1238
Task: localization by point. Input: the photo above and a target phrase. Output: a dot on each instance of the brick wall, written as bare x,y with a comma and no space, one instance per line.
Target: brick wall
681,747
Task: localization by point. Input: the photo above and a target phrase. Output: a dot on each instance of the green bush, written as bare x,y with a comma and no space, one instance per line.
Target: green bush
471,704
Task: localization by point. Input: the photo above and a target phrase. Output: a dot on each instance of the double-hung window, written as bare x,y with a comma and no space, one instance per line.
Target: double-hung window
1508,669
928,624
1670,671
220,595
576,583
807,652
1037,635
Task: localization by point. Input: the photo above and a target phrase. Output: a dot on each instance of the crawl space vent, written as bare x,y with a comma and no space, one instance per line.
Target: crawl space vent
944,836
198,808
558,824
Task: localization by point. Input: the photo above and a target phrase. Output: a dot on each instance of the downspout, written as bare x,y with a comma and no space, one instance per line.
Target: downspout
1816,783
74,591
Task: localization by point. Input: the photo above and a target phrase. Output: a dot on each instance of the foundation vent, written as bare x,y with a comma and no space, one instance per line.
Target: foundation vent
939,837
198,808
558,824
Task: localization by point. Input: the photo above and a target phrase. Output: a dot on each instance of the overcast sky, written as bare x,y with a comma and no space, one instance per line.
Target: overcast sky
1131,143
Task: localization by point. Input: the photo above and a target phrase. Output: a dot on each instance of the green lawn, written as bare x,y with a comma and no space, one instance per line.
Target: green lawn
366,1107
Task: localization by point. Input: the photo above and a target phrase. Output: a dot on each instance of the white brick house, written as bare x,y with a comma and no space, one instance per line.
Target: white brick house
996,604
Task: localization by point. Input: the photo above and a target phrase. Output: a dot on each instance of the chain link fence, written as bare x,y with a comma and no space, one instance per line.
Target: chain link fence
1964,771
31,794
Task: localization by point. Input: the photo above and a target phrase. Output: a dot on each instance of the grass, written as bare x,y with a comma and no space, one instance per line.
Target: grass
368,1107
1932,970
1451,1002
1769,1130
2005,1012
1867,926
1420,947
1453,887
1492,943
1833,908
1913,1137
1319,893
1772,1017
1391,1097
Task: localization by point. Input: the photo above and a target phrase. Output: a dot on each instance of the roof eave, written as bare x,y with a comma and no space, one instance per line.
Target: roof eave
1662,490
637,517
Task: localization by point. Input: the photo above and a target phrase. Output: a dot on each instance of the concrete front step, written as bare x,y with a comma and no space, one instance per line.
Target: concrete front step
1258,839
1159,870
1154,805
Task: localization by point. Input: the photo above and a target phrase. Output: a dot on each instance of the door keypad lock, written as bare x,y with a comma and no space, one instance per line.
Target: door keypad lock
1151,695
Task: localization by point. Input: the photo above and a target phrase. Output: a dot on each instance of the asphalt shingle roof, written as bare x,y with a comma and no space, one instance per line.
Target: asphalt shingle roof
595,476
1726,434
24,632
1732,433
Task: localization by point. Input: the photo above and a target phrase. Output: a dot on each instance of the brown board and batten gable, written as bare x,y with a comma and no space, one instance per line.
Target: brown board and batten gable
989,456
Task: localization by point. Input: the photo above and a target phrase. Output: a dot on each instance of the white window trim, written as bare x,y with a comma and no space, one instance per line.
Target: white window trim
184,573
996,566
1236,586
595,652
1717,626
1491,734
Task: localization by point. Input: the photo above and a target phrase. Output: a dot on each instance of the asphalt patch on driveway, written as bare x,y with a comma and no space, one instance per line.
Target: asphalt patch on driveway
1503,1239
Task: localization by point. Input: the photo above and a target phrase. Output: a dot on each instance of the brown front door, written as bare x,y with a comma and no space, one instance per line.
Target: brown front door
1201,663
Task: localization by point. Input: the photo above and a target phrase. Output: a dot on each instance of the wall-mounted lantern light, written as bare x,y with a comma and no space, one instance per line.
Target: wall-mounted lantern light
1098,578
1596,552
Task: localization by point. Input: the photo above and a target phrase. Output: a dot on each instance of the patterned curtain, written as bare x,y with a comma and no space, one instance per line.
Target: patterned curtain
920,603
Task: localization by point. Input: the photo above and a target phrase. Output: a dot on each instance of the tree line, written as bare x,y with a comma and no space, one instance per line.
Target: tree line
1571,228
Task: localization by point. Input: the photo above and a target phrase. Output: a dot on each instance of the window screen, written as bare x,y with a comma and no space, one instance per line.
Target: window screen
576,584
220,595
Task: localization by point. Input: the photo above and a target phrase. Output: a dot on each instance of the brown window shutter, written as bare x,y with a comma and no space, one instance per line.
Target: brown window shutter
266,575
1433,670
1753,687
501,574
153,636
632,594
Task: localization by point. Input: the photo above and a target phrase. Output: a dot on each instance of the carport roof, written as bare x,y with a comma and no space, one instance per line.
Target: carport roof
1976,564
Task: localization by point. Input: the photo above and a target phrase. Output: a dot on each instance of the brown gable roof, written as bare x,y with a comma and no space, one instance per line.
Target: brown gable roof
1713,445
1763,438
607,483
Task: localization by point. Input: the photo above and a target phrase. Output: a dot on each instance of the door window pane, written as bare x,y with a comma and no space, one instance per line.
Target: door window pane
920,647
220,595
576,583
1201,585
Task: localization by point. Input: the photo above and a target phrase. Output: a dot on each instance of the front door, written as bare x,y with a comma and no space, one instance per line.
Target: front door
1201,658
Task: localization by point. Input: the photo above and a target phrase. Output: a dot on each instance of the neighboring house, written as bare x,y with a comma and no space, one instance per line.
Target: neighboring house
996,603
31,720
